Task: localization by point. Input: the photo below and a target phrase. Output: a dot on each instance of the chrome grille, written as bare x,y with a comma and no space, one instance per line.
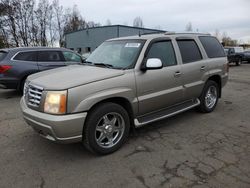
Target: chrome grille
34,95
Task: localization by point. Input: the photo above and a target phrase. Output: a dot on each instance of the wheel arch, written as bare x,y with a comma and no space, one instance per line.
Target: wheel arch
217,79
120,101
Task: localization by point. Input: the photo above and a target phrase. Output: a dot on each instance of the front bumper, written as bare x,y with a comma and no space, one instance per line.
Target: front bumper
57,128
224,80
8,83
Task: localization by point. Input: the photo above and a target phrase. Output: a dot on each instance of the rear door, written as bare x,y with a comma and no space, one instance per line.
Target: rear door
50,59
194,68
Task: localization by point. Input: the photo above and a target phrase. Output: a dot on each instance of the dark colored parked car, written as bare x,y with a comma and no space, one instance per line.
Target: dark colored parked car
235,55
16,64
246,56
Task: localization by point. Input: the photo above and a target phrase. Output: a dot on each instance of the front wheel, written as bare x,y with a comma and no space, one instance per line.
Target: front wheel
106,128
209,97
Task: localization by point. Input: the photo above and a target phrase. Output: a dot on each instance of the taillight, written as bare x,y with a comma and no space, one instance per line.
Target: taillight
4,68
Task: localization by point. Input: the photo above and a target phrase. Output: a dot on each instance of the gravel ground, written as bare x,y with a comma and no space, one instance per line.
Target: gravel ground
188,150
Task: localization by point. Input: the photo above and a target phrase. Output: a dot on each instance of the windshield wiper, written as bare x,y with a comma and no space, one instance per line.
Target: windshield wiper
87,62
104,65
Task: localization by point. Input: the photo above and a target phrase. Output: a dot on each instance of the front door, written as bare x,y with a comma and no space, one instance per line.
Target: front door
161,88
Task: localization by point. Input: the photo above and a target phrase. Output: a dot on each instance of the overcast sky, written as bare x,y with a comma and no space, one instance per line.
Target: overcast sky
231,16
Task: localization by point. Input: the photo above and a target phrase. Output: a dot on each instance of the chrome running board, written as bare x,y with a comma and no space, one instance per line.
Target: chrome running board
146,119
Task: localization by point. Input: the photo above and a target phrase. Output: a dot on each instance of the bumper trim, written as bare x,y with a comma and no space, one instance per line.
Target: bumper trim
56,128
50,136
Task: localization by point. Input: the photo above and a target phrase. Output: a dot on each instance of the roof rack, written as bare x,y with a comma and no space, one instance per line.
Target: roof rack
189,33
151,33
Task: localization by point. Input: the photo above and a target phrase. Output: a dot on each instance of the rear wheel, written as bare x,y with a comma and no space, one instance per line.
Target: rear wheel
106,128
209,97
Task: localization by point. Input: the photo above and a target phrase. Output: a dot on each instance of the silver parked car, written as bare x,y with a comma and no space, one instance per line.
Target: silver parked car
125,83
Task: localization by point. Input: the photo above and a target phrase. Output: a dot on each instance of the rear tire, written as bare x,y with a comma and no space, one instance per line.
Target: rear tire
106,128
209,97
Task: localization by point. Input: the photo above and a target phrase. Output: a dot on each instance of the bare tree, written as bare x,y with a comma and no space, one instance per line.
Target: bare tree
227,41
9,19
189,27
138,22
60,21
217,34
42,23
51,26
75,21
108,22
3,33
42,13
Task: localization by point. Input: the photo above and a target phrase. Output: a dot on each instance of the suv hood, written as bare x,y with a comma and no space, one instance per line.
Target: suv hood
72,76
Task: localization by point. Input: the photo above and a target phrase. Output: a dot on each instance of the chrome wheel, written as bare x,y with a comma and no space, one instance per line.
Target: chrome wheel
211,97
109,130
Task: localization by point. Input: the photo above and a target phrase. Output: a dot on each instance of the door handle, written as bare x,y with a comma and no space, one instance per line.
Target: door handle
203,68
177,74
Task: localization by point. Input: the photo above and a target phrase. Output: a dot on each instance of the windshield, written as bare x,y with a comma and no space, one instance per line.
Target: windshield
239,50
117,54
2,55
226,51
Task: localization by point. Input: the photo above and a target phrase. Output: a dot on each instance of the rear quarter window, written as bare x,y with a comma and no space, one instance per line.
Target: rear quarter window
26,56
212,46
2,55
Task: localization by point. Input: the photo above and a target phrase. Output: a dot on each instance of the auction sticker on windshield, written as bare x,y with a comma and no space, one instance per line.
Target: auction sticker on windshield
132,45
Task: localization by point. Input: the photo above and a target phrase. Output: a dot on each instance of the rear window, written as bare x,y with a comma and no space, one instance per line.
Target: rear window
212,47
26,56
239,49
50,56
2,55
189,51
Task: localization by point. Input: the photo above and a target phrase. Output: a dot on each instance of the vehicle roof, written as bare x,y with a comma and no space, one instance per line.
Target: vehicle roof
160,35
17,49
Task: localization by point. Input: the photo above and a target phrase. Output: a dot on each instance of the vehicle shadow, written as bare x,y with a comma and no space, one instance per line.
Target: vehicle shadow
8,94
77,151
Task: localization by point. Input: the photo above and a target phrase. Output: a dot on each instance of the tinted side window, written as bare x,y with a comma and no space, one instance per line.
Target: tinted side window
164,51
189,51
26,56
212,47
70,56
50,56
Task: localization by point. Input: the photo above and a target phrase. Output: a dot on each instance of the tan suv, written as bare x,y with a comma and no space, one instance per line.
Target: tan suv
125,83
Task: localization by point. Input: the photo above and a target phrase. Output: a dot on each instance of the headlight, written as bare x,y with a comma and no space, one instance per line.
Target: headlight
55,102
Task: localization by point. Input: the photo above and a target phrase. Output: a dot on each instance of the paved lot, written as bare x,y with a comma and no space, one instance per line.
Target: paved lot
189,150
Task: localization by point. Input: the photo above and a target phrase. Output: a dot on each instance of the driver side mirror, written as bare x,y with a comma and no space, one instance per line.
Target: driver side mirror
152,63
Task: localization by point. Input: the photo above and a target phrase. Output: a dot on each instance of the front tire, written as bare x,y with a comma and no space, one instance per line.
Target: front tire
106,129
209,97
